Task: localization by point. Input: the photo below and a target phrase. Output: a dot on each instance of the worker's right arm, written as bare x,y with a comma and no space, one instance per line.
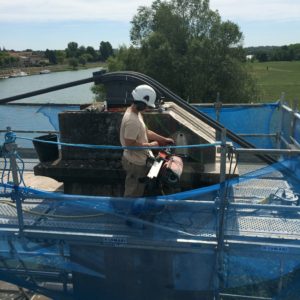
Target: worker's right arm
134,143
131,133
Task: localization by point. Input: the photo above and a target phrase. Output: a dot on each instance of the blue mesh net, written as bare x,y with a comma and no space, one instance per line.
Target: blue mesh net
164,247
249,120
296,131
28,117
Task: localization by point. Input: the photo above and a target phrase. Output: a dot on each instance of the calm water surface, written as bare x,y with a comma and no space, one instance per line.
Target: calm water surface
80,94
39,117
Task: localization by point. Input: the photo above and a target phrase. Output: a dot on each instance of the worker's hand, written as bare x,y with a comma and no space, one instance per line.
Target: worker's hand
153,144
168,141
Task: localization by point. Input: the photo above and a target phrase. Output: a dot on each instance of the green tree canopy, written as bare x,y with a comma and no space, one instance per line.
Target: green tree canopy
92,52
72,50
60,56
275,53
186,46
106,50
73,62
51,55
8,61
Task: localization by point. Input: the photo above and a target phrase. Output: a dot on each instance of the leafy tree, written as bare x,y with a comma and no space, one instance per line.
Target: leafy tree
88,57
99,91
72,49
51,55
8,61
106,50
93,56
126,59
262,56
60,56
275,53
82,60
184,41
81,51
296,51
73,62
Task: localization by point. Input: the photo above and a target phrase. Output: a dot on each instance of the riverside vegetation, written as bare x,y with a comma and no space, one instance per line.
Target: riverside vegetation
72,58
188,47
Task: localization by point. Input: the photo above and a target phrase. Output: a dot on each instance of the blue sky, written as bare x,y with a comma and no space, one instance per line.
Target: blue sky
52,24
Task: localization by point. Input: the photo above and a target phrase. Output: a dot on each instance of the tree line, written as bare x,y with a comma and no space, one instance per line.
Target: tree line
79,54
73,55
275,53
186,46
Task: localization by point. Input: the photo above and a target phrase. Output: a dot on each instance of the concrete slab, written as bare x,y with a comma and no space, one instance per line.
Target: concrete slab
42,182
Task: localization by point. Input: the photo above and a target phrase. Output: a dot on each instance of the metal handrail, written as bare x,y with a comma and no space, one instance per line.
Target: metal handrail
31,131
267,151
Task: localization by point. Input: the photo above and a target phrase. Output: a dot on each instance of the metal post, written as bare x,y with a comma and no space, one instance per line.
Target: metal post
10,147
223,198
294,112
218,106
223,157
295,105
281,102
222,206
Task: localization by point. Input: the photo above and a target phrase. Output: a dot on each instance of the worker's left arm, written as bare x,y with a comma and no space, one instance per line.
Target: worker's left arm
163,141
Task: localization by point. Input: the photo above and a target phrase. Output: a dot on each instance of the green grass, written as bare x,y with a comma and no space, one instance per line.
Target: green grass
274,78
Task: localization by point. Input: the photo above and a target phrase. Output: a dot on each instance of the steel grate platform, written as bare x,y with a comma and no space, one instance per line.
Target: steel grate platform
193,223
258,188
31,212
275,227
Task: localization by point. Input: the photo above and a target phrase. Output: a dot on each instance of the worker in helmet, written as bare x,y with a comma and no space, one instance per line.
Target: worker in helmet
134,132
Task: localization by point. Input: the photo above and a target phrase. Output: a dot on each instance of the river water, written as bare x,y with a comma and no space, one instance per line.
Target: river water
75,95
37,116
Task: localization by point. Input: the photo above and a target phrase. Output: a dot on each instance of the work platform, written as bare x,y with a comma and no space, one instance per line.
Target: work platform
187,232
193,220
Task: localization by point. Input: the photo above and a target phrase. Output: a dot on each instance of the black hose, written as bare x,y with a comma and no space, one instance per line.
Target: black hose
102,77
129,75
46,90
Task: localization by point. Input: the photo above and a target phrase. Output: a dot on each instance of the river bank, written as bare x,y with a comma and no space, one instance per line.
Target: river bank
7,72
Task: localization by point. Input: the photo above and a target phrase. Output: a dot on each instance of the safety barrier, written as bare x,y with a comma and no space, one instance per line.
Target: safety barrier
220,208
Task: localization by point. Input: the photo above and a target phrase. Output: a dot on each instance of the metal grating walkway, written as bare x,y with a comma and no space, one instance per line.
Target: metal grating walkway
192,223
267,227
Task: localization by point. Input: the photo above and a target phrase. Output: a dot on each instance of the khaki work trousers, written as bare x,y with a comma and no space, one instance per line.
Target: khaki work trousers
133,186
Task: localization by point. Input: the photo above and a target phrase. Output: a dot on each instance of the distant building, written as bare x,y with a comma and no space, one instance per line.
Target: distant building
249,57
30,58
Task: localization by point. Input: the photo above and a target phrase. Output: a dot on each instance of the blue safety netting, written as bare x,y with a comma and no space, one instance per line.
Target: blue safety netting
29,117
254,272
262,119
164,247
296,131
189,216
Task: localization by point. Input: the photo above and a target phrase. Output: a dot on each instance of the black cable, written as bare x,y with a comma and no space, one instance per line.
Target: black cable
101,77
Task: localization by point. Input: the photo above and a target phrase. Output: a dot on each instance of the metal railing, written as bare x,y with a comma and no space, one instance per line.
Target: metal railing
222,205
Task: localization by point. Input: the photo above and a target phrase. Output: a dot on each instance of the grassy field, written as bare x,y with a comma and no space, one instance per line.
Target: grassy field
274,78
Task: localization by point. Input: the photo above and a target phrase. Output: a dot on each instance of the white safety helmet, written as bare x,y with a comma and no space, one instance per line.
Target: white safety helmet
144,93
